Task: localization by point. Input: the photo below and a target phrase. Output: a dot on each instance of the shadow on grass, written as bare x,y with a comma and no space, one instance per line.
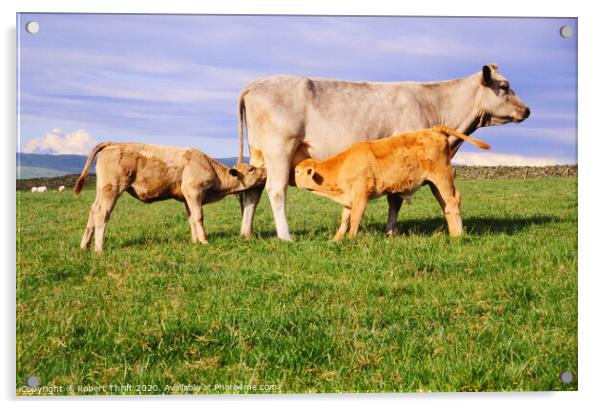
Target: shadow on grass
145,239
426,227
472,225
430,226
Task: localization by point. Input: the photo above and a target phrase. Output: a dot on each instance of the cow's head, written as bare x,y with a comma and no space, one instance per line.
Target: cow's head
306,176
498,103
248,175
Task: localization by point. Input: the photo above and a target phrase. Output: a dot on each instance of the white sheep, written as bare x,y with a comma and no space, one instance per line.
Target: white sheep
42,189
61,188
34,189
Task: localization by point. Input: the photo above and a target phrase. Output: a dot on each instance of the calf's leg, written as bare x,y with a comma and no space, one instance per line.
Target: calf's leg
344,224
89,230
193,236
107,196
194,200
395,202
248,203
358,207
449,200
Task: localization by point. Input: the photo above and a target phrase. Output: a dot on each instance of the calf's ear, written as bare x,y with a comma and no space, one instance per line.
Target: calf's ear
317,178
233,172
486,79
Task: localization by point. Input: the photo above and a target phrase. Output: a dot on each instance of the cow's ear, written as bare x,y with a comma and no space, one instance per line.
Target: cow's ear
233,172
486,79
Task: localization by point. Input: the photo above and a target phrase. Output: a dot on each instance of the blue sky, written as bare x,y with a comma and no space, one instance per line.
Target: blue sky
174,79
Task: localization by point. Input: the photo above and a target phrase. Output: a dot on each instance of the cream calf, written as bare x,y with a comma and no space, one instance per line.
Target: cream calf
154,172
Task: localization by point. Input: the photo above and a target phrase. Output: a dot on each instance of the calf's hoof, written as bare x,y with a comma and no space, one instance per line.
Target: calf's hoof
456,233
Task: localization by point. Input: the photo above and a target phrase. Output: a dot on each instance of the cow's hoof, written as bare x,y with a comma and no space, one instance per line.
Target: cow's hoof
392,232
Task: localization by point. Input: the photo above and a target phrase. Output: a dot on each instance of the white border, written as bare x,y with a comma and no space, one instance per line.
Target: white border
589,151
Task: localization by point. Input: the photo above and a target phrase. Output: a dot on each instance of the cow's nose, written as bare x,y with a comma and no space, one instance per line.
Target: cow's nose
527,112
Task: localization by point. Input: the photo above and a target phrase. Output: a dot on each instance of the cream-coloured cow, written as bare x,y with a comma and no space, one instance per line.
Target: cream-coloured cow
397,165
289,119
154,172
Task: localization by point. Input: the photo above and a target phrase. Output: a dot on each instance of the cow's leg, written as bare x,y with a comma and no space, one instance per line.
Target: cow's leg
449,200
358,207
107,197
278,169
248,202
395,202
194,199
344,224
193,236
89,231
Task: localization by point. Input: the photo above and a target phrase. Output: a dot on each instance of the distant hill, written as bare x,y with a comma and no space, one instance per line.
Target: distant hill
33,165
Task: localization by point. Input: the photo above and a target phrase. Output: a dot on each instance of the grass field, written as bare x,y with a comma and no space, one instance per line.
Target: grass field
493,310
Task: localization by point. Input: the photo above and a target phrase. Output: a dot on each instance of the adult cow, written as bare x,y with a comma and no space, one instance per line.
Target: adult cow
289,119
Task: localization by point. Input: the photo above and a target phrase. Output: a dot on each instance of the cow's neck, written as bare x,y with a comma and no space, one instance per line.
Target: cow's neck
458,108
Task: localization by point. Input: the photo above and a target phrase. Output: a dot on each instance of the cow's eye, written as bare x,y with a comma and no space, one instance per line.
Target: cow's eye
504,86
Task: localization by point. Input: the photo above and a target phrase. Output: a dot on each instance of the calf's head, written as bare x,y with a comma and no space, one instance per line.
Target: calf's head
306,176
247,176
498,103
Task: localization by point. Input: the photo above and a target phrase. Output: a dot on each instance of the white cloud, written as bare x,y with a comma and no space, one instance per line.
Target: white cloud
55,142
501,159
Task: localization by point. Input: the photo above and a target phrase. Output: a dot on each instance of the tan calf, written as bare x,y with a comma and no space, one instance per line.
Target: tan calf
398,165
154,172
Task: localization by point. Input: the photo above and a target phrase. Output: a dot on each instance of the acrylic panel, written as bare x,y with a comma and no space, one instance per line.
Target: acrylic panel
181,179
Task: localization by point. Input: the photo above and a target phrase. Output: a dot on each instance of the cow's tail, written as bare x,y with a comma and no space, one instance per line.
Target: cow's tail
241,125
452,132
79,184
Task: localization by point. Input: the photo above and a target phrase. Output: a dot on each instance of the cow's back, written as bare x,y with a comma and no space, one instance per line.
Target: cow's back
326,115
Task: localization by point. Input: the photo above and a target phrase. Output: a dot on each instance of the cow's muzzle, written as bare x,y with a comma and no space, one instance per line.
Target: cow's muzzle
525,114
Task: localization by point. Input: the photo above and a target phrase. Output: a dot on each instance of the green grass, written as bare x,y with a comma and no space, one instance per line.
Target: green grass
493,310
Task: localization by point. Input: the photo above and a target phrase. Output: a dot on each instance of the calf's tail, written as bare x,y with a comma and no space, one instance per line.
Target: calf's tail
452,132
79,184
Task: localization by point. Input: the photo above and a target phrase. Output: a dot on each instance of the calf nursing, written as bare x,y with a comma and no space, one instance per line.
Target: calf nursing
154,172
398,165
